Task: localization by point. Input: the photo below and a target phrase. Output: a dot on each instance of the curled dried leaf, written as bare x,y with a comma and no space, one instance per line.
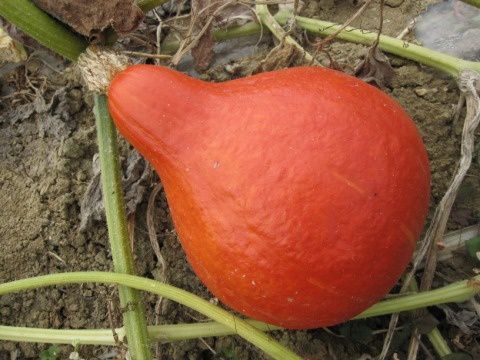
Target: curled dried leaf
207,14
233,14
375,68
466,320
136,177
282,56
202,18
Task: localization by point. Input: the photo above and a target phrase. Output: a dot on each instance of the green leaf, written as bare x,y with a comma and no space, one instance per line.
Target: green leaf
473,248
51,353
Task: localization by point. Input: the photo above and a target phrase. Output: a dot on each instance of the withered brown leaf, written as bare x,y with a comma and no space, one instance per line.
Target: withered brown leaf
202,52
91,17
209,13
375,68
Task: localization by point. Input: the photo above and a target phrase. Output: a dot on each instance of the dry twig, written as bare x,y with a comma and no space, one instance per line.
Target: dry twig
467,84
152,235
269,21
407,30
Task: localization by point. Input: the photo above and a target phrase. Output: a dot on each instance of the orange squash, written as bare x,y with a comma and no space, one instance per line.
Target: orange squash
298,195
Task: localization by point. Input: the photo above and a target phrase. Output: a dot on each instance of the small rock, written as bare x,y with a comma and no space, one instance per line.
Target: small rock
421,91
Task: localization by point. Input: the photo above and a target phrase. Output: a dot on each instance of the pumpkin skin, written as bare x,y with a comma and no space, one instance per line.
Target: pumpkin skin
298,195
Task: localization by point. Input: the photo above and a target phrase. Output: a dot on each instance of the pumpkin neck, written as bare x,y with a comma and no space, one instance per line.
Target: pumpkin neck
160,111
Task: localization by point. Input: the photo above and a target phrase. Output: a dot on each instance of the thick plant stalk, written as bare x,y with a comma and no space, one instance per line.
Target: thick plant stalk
49,31
439,343
449,64
161,333
227,324
112,191
43,28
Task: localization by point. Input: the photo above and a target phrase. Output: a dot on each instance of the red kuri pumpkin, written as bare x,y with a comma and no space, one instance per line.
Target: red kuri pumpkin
298,195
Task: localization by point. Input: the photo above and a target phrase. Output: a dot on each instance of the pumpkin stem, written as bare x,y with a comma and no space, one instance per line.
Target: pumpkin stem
98,66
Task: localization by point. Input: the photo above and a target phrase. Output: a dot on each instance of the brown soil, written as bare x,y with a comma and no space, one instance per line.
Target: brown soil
46,165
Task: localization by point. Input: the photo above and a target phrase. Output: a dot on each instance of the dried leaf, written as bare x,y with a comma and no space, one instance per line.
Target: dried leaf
234,14
56,114
135,181
19,113
375,68
281,57
91,206
10,50
467,321
202,52
91,17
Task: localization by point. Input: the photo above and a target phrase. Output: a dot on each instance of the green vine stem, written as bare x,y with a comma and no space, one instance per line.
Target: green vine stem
52,34
449,64
237,325
456,292
434,336
438,342
227,323
132,307
435,59
475,3
163,333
